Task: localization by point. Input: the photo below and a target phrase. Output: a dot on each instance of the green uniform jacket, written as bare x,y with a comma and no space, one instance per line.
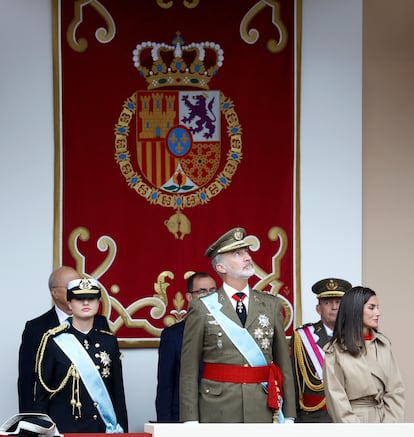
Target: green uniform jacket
307,382
205,341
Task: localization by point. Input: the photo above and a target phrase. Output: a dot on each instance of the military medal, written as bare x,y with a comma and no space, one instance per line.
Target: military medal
264,321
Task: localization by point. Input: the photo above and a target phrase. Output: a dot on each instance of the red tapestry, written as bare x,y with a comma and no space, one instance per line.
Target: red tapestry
176,122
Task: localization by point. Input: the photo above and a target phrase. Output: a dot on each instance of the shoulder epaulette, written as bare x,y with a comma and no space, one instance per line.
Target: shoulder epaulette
263,292
305,325
106,332
52,332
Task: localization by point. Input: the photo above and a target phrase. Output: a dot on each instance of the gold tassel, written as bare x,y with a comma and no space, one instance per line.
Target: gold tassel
72,371
303,367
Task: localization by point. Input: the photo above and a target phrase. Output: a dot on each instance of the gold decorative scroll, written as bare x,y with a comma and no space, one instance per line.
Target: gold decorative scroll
102,35
251,36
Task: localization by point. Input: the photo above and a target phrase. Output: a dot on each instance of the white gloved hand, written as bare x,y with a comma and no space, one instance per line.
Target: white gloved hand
289,421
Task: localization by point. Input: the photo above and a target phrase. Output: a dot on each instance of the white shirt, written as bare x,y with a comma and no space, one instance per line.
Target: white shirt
62,316
329,331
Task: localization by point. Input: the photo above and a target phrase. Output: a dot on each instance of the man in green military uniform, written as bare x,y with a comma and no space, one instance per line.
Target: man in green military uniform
238,335
307,351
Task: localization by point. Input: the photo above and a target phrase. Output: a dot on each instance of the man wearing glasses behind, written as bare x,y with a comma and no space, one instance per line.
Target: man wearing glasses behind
35,328
169,354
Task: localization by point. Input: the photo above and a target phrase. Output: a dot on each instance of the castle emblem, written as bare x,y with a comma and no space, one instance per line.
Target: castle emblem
182,130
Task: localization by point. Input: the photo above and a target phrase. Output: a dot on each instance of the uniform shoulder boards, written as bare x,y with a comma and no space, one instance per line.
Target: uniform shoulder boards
304,326
106,332
265,293
52,332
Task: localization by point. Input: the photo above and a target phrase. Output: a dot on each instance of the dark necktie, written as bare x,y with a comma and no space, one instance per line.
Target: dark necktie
240,307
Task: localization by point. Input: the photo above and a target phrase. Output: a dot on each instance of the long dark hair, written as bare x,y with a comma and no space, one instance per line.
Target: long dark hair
348,331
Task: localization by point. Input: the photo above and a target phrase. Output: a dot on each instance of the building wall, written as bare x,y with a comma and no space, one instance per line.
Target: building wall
330,144
331,194
388,176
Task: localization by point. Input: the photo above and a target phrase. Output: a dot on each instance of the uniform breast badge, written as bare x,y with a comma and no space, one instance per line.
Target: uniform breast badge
263,334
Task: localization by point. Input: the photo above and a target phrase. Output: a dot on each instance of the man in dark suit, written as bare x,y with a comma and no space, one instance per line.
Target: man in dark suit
238,335
307,344
169,353
35,328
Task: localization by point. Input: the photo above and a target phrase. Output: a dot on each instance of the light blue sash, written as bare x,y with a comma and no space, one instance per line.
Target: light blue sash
91,379
240,337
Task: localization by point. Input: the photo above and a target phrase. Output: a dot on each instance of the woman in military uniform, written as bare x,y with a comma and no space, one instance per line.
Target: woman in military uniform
79,373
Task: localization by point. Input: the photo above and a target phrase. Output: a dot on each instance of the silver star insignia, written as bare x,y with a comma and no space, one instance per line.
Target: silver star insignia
105,359
263,320
265,343
105,372
258,333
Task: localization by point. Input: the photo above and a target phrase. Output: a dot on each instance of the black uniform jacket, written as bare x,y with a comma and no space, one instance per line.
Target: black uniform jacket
102,347
32,334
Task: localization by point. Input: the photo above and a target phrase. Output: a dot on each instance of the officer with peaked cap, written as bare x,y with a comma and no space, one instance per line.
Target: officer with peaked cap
238,335
79,371
307,351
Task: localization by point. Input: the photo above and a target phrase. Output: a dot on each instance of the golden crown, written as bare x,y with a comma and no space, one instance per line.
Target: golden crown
178,65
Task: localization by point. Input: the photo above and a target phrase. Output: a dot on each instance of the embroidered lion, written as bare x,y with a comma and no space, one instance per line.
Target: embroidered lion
199,113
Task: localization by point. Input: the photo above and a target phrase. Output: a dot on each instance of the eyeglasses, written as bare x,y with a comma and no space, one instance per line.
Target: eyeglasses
204,291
